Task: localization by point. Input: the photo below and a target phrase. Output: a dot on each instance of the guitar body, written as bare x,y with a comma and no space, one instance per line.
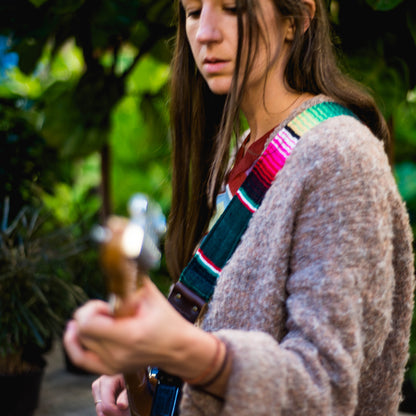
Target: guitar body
139,393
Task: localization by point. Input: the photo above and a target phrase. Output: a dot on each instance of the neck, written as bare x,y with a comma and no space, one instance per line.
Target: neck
265,108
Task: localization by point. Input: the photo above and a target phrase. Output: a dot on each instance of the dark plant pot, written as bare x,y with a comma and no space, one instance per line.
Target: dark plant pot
19,393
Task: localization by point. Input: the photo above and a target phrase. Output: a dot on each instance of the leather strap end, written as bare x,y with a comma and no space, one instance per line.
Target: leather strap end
187,303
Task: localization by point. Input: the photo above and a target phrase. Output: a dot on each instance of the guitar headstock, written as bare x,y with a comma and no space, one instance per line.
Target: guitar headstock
129,246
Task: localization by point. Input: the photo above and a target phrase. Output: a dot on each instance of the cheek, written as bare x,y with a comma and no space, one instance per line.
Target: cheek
191,36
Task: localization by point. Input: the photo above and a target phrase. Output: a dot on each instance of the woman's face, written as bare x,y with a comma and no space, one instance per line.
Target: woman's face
212,32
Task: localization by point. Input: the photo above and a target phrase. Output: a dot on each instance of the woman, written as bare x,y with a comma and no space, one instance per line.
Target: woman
311,314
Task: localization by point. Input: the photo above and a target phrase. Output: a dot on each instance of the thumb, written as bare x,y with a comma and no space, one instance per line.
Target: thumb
122,400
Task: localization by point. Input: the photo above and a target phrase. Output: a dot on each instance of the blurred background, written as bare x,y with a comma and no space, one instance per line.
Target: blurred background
84,124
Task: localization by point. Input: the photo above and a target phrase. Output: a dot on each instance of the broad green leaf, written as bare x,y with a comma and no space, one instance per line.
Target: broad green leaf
17,83
384,5
67,63
149,75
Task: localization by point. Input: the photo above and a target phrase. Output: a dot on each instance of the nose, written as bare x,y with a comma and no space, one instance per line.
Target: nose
209,26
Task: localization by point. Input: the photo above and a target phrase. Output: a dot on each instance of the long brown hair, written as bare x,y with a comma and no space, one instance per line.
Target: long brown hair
203,123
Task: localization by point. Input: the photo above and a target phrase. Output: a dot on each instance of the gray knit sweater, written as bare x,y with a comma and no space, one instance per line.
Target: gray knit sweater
316,302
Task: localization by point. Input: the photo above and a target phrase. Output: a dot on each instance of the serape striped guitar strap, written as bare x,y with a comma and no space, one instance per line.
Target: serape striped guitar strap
204,269
197,281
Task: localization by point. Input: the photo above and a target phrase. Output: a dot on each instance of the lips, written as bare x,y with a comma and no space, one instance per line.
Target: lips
212,60
214,65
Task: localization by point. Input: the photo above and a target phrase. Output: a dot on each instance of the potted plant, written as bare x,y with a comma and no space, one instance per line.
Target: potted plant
37,296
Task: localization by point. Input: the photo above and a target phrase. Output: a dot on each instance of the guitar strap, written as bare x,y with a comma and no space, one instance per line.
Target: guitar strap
200,276
197,281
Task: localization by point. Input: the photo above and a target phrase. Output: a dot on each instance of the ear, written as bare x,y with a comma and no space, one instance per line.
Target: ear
290,32
310,8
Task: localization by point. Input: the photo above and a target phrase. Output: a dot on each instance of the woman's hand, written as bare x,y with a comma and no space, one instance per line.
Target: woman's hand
156,334
110,396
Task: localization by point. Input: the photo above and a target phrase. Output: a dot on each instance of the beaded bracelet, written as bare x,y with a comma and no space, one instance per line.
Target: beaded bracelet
211,366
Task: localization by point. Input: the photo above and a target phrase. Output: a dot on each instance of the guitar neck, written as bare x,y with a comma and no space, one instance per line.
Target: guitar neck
138,384
128,249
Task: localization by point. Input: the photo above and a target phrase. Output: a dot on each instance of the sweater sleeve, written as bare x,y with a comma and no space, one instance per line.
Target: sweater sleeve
339,286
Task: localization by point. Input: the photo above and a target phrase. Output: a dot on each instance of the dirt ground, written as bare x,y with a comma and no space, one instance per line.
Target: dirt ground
64,393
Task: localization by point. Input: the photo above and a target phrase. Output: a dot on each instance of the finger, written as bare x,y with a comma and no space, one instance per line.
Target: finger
92,308
123,400
108,389
95,388
106,329
98,407
92,363
95,319
81,356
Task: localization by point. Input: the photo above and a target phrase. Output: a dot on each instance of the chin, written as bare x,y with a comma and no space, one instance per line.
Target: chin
219,87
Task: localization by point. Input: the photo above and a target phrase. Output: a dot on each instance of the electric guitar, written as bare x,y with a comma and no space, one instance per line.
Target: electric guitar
128,250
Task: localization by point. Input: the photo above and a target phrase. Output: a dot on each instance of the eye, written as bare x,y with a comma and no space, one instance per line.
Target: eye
194,14
192,8
232,9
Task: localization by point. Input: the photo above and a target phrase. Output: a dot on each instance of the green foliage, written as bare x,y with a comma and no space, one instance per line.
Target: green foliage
69,204
140,144
139,137
404,129
38,294
386,83
71,123
26,164
381,53
76,207
76,113
77,62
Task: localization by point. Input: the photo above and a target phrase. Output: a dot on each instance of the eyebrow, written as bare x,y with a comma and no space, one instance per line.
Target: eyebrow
183,2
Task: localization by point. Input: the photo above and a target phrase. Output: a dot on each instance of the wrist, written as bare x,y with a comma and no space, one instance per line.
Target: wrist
213,379
195,351
200,359
208,375
206,362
